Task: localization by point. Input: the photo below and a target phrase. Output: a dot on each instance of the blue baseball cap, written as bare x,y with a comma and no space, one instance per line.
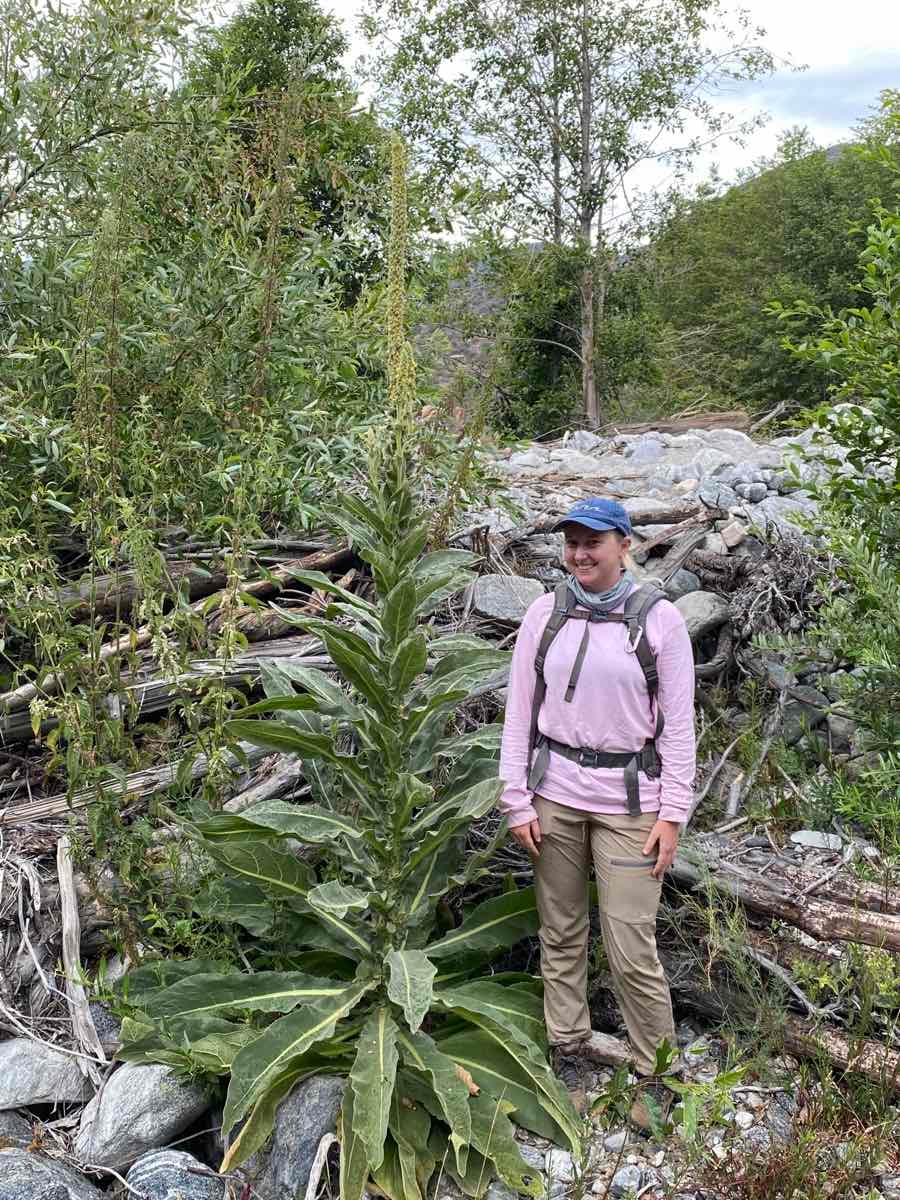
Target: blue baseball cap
599,514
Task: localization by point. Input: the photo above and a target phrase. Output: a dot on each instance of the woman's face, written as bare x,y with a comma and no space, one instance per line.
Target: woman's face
595,558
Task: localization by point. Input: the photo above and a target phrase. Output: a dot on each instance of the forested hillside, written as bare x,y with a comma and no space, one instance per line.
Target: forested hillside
301,363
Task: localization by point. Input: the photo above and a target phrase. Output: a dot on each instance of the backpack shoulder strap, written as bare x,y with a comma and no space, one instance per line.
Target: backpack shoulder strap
637,609
563,603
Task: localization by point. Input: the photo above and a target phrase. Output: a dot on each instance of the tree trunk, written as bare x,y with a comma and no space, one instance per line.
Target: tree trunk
556,153
586,220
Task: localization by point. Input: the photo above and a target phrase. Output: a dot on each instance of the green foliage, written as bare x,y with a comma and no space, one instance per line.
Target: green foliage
786,233
383,844
536,377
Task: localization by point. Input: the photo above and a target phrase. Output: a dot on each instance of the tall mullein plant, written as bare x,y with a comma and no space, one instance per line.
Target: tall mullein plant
439,1058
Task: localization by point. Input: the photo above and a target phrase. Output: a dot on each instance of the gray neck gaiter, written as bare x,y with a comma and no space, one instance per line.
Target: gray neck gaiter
602,602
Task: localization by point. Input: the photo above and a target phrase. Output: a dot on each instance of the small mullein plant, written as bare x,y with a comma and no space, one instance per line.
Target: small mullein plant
438,1057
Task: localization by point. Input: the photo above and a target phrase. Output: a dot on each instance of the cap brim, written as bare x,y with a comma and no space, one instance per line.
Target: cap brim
588,522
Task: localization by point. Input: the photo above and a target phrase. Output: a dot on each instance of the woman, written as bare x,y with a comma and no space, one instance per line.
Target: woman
598,769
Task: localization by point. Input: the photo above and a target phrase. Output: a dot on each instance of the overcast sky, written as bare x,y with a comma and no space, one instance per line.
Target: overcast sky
851,52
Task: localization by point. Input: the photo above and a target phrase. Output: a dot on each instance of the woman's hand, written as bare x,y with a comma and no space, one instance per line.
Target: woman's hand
528,836
664,835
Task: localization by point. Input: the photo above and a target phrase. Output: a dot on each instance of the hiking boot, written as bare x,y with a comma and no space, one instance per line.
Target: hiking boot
569,1068
658,1094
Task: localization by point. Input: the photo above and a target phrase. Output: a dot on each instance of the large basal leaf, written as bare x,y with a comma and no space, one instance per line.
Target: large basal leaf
354,1169
141,984
372,1080
500,1075
447,1096
492,1136
497,923
264,991
521,1012
278,873
217,1051
332,926
395,1176
550,1093
265,1059
335,899
410,984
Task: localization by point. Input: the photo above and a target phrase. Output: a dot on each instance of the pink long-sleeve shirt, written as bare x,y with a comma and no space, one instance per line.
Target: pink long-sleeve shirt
610,711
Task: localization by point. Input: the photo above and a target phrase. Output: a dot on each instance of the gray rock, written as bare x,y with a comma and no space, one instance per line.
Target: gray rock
741,472
718,495
703,612
107,1025
733,441
614,1142
28,1176
142,1107
168,1175
715,543
528,460
751,547
815,839
505,597
752,492
533,1156
645,450
805,710
281,1171
584,440
841,731
14,1129
32,1073
681,583
559,1164
570,462
744,1120
699,1051
499,1190
780,1117
627,1181
785,512
890,1187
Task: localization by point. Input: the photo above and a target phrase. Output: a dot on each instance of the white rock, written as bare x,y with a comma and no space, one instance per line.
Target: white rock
32,1073
715,543
744,1119
583,440
815,839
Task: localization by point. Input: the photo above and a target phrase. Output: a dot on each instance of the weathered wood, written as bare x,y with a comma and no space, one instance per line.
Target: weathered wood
321,560
679,554
735,419
868,1058
700,520
822,918
108,594
79,1009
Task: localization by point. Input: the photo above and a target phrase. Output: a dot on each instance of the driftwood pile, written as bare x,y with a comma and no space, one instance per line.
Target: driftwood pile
797,904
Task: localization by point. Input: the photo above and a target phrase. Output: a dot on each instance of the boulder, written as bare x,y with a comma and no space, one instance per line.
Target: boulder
28,1176
571,462
505,597
32,1073
805,710
718,495
815,839
752,492
281,1170
645,450
681,583
142,1107
15,1130
787,513
585,441
703,612
627,1181
173,1175
732,441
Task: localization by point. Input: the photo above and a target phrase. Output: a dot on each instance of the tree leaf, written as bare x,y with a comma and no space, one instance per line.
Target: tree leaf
372,1080
499,922
265,1059
410,984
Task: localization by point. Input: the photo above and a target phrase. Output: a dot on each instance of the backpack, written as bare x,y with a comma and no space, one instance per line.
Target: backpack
566,608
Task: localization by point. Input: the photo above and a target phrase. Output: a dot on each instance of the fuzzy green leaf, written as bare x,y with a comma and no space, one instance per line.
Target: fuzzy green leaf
305,822
451,1095
408,662
336,899
499,922
465,806
265,991
354,1168
288,739
398,612
262,1062
275,871
519,1012
410,984
333,701
372,1080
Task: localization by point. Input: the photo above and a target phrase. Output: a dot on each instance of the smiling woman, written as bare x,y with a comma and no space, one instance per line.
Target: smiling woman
598,763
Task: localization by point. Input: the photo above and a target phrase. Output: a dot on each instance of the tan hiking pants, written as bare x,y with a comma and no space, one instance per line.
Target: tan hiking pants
628,899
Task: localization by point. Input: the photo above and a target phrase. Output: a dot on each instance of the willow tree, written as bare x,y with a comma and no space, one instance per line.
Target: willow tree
533,115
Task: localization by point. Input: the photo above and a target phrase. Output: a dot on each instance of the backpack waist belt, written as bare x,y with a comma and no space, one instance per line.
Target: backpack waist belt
646,759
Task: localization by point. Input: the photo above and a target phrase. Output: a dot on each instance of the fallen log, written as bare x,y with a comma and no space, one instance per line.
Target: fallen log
825,919
700,520
860,1057
108,594
321,560
734,419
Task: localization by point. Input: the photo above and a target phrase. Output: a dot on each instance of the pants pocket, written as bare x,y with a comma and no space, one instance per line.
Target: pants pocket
627,890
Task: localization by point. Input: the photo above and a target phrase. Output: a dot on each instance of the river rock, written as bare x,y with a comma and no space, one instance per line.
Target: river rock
815,839
682,582
281,1170
614,1142
645,451
627,1181
142,1107
786,513
584,440
28,1176
752,492
805,710
718,495
841,732
171,1175
890,1187
505,597
703,612
108,1026
14,1129
32,1073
